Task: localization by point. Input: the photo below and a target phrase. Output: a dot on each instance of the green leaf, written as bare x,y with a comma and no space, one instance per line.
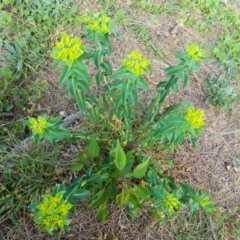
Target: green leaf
59,188
141,169
99,77
56,64
133,98
120,157
133,201
120,73
102,213
122,198
171,82
141,83
98,58
126,90
173,70
53,134
72,86
93,178
66,73
81,194
106,65
168,129
184,77
193,66
79,65
83,86
93,148
141,192
80,98
128,167
112,190
82,75
97,200
93,114
70,191
77,166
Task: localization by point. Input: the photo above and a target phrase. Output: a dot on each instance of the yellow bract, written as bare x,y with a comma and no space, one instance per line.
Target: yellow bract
53,212
195,117
136,63
38,125
194,52
68,49
171,202
99,24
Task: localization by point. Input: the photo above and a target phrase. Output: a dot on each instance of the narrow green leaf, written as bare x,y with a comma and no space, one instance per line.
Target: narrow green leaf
133,97
66,73
56,64
171,82
126,90
79,65
120,157
81,194
106,65
141,83
98,58
93,148
99,77
82,75
80,98
70,191
141,169
93,114
120,73
82,85
184,77
72,86
102,213
174,69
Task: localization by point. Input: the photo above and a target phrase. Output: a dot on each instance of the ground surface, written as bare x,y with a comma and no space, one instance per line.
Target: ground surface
210,165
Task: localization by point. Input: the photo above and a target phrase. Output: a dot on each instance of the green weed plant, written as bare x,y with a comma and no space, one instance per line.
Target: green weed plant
113,165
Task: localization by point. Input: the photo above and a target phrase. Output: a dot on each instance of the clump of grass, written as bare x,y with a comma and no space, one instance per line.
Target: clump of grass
24,176
221,92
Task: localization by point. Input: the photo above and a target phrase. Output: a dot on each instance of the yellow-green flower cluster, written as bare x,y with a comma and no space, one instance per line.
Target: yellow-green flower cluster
100,23
171,203
136,63
68,49
195,52
195,117
52,212
38,125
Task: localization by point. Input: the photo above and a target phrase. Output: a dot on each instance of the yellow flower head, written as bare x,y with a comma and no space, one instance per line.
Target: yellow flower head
171,202
44,208
68,49
64,208
53,211
194,52
47,222
195,117
100,24
136,63
38,125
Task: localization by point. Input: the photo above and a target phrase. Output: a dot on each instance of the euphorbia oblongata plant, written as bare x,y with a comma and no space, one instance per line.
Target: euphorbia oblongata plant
113,165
